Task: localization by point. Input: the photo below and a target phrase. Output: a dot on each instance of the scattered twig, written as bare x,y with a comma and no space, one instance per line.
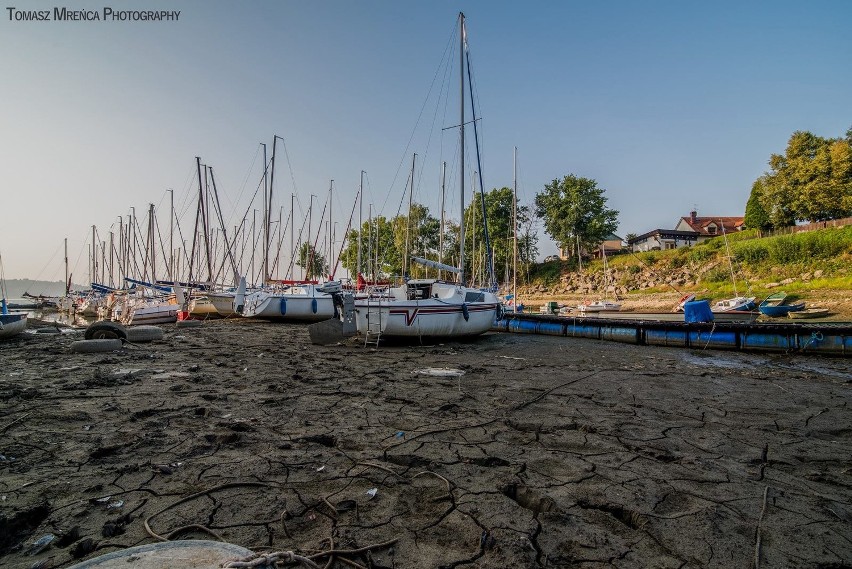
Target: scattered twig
757,531
18,420
379,466
447,482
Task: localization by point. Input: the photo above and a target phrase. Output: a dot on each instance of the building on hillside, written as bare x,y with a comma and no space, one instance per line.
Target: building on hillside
611,244
708,227
688,231
662,239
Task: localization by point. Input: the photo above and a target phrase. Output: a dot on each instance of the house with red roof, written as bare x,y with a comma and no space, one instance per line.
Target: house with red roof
688,231
708,227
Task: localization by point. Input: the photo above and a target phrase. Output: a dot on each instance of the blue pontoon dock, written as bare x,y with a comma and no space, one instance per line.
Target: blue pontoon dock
825,338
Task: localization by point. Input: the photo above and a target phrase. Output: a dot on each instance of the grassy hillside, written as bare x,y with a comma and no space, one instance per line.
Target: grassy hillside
811,261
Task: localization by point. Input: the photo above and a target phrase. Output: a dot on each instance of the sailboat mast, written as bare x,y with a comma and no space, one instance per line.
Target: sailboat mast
67,280
292,270
360,227
443,211
172,236
93,273
730,261
265,209
408,219
330,244
515,228
152,240
461,147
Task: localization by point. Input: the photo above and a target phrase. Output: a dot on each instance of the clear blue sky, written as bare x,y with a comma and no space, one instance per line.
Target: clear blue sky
668,105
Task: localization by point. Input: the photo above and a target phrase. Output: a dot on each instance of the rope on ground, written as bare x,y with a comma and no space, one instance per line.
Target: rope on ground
192,497
712,329
815,337
271,560
366,548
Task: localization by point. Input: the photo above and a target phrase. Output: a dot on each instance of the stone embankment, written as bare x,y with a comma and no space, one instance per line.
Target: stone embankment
660,288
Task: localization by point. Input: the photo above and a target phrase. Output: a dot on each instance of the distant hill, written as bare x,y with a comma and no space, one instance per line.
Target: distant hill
15,288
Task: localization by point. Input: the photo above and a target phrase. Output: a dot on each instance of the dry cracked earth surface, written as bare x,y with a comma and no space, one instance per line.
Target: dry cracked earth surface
506,451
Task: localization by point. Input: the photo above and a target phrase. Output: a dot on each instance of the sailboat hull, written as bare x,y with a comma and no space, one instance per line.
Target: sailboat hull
289,307
426,318
12,324
223,302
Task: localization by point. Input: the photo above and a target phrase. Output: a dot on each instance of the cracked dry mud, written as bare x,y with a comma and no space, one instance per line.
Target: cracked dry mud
547,452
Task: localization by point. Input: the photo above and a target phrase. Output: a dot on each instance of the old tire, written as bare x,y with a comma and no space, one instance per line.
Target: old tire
106,331
188,323
144,333
96,346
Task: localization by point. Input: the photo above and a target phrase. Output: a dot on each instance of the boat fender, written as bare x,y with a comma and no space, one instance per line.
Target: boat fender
282,306
96,346
105,331
138,334
314,305
465,312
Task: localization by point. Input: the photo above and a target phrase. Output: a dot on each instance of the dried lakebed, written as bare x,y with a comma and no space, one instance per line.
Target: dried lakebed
507,451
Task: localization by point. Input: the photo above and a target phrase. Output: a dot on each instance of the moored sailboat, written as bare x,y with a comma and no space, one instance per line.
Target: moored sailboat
430,307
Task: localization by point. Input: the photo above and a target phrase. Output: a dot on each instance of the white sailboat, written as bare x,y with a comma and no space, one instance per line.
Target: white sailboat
737,302
294,303
429,307
11,323
603,305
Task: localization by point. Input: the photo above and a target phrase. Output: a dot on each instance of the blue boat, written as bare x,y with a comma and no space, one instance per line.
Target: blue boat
11,324
775,306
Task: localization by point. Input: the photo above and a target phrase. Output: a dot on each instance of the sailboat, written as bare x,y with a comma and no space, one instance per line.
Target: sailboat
741,303
603,305
11,324
430,307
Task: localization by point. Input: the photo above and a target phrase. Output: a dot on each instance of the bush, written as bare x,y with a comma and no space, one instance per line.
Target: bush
700,253
717,275
752,252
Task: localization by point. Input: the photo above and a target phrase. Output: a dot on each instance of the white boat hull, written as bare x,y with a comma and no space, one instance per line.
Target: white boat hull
289,307
426,318
163,314
737,303
12,324
427,308
223,302
599,306
203,308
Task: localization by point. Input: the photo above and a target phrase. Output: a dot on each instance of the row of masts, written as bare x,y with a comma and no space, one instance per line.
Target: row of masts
212,257
213,253
138,248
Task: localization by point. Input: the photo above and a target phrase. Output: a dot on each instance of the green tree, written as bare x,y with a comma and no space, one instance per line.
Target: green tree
574,209
311,261
383,244
498,209
755,216
812,181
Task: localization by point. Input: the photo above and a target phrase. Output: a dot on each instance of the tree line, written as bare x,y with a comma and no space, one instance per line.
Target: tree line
384,241
811,181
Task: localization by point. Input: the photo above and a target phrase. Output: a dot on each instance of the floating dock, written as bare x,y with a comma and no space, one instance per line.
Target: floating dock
826,338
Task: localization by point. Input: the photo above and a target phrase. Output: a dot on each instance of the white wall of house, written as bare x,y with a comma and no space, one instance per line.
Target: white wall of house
657,242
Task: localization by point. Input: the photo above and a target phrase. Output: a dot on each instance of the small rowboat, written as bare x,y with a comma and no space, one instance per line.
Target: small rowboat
775,306
809,313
